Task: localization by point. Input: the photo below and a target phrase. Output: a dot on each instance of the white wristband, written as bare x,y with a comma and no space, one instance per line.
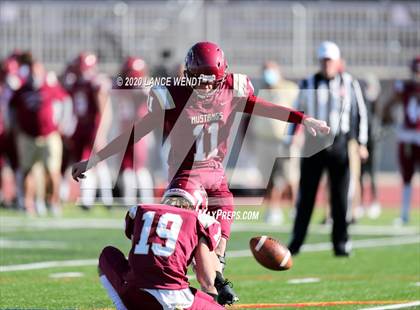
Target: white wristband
94,160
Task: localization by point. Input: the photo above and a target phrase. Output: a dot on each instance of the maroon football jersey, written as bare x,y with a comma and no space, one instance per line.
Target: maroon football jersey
198,128
2,125
164,239
132,105
6,93
35,108
410,95
85,105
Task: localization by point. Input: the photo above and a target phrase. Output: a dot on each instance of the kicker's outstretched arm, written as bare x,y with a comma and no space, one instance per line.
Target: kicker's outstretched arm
119,144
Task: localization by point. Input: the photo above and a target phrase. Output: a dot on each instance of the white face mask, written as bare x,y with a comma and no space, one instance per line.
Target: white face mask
271,77
24,71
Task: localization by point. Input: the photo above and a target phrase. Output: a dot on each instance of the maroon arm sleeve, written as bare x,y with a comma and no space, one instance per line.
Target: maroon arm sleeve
261,107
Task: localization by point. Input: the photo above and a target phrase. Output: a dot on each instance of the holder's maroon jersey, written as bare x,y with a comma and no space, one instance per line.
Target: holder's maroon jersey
164,239
198,127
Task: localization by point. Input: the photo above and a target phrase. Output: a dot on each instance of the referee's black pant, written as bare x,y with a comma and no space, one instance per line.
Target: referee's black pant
335,160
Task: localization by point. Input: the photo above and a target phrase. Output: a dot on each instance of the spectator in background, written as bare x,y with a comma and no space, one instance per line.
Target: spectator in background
269,140
356,154
91,104
408,94
332,96
356,160
164,68
10,81
371,88
132,105
35,106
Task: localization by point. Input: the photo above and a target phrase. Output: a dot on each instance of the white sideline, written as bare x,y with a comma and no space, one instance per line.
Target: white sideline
317,247
398,306
12,223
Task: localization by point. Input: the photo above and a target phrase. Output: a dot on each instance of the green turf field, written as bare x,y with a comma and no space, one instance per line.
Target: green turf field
384,268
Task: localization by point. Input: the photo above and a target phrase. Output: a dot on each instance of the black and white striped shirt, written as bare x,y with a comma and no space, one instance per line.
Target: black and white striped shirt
338,101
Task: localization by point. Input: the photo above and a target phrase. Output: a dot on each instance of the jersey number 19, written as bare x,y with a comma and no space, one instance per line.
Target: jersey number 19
163,232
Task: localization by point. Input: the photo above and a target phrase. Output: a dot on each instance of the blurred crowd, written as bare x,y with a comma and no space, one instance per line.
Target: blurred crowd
49,121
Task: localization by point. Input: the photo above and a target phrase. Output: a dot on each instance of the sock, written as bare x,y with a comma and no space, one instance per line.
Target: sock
88,189
105,183
129,189
41,208
19,190
405,210
112,293
145,183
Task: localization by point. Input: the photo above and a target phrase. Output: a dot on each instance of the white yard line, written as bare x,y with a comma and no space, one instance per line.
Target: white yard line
50,264
326,229
32,244
15,223
304,280
317,247
10,223
398,306
357,244
61,275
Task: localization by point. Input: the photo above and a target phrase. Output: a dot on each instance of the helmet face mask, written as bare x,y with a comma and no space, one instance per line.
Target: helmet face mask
179,202
187,195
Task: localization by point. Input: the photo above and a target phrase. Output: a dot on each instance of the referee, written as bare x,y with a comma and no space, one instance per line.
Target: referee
335,97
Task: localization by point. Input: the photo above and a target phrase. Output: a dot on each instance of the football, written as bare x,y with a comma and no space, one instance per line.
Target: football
271,253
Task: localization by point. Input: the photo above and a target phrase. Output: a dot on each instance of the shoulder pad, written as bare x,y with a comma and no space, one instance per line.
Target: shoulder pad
206,220
240,85
163,96
132,212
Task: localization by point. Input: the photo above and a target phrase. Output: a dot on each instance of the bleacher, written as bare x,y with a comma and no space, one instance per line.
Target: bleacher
375,38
